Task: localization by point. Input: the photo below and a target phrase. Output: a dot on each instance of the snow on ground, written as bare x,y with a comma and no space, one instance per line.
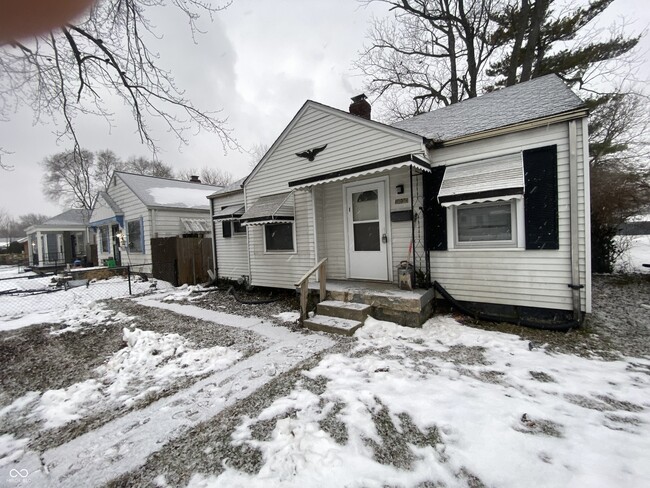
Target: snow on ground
636,255
287,316
21,310
463,402
149,363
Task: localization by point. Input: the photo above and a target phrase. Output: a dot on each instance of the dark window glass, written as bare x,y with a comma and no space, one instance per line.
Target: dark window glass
105,238
135,235
279,237
366,237
238,228
227,229
485,223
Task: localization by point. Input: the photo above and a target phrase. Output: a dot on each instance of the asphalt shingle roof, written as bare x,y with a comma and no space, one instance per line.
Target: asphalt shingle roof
74,216
534,99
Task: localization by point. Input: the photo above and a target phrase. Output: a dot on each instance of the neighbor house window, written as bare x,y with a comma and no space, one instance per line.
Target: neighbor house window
485,224
134,229
237,228
104,239
278,237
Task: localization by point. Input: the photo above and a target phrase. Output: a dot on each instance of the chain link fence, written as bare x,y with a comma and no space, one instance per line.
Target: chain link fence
24,291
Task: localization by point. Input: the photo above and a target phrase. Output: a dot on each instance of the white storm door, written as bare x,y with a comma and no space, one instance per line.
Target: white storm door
367,241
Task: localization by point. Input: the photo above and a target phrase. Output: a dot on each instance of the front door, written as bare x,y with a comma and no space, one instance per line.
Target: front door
367,241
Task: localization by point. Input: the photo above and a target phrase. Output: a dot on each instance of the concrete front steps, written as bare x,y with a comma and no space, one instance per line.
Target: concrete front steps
337,317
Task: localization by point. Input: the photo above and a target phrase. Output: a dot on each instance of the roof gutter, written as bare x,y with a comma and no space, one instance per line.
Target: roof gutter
509,129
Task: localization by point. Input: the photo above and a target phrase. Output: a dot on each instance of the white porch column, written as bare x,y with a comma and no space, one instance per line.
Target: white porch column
39,247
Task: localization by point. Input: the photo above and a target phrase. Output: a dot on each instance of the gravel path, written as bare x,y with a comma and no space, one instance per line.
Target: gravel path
124,443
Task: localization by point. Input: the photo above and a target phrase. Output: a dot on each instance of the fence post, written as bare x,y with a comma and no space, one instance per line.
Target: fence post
128,273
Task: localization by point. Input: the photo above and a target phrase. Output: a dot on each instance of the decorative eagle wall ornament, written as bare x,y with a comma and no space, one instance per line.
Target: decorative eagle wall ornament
311,153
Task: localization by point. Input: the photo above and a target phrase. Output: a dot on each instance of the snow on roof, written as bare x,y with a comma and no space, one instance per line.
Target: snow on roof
74,216
534,99
166,192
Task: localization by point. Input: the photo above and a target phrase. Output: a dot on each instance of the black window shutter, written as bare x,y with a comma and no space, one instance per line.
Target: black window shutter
540,198
227,229
435,215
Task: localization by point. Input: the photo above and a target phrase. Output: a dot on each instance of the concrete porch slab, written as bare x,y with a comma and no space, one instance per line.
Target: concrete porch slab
406,307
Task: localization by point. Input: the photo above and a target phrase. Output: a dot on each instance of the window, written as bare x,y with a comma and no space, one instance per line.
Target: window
134,229
104,237
237,228
278,237
226,229
491,224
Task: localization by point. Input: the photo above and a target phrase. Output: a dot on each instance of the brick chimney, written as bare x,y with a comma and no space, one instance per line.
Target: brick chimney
195,179
360,106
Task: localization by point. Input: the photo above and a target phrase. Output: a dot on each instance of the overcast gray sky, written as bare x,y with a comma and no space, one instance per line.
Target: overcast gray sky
259,61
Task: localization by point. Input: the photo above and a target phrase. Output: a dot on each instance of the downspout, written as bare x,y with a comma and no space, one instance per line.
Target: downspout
574,220
412,219
214,241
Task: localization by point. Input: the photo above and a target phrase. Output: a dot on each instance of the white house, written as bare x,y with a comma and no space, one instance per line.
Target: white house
60,240
136,208
488,197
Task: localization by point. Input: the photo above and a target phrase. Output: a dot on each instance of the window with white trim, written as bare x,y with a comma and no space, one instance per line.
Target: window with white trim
279,237
134,229
237,228
104,239
485,225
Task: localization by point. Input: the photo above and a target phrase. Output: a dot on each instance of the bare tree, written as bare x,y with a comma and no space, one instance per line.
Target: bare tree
150,167
257,152
619,150
69,179
208,175
106,162
429,53
78,68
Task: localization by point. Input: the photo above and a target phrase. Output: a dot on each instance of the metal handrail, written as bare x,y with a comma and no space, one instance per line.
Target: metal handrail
303,284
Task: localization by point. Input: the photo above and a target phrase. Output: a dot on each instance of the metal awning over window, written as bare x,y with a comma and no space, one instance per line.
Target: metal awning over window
487,180
270,209
231,212
412,160
195,226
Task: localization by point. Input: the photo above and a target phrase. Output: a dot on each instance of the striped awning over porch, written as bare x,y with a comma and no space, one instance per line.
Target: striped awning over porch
487,180
413,160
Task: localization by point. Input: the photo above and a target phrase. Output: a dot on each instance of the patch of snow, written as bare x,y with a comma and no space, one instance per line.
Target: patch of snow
11,449
588,425
184,292
149,362
288,316
181,197
21,311
636,255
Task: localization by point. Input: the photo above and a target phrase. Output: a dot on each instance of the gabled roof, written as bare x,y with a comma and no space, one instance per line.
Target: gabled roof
334,111
75,218
538,98
168,193
234,187
111,203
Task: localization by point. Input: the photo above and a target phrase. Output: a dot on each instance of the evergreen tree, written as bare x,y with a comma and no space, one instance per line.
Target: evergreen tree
536,41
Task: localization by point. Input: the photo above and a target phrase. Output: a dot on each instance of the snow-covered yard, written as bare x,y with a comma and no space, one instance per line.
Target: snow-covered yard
158,391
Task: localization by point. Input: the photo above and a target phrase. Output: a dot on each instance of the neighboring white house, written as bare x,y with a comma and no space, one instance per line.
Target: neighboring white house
60,240
488,197
136,208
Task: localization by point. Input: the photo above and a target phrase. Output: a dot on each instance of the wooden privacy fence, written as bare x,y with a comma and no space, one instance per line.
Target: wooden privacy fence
181,260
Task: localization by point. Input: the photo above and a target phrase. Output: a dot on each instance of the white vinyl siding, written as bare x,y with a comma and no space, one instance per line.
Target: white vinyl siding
529,278
284,269
350,143
232,252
